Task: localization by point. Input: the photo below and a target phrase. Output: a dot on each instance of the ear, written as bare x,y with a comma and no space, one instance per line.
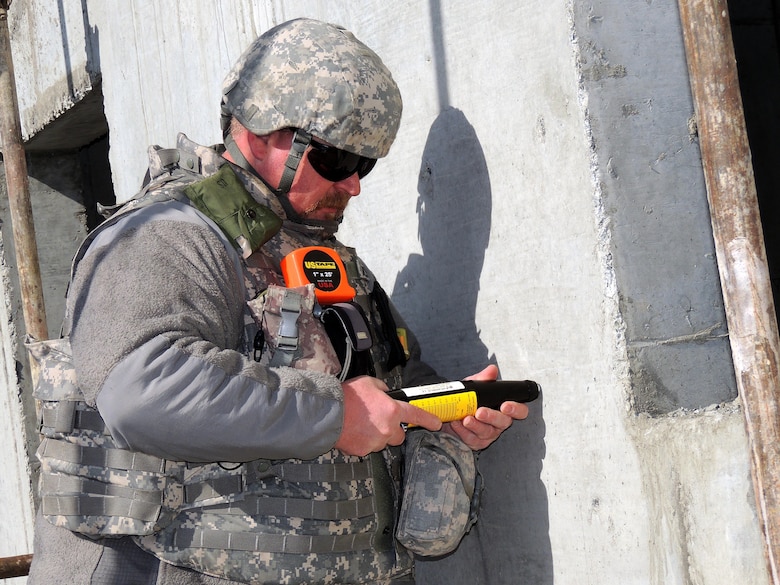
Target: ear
257,146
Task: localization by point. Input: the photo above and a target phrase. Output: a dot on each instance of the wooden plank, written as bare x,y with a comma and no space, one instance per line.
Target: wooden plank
19,190
15,566
739,245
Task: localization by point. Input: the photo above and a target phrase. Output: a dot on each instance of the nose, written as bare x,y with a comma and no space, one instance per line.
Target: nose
350,185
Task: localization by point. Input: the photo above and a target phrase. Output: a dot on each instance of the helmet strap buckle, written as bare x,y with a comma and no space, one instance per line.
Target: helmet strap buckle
300,142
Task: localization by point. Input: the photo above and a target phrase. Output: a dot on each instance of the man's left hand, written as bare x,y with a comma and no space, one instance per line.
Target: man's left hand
480,430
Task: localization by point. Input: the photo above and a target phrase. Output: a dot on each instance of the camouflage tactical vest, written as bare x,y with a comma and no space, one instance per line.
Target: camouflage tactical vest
88,484
329,520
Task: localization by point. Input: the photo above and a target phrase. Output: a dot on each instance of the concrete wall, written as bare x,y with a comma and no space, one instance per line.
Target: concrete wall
543,209
56,63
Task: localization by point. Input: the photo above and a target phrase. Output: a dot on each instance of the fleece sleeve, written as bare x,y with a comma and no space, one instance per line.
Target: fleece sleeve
158,313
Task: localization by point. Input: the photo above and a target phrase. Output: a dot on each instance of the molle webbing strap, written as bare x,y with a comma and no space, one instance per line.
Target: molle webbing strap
65,416
354,274
298,508
103,499
97,506
227,486
69,483
218,487
60,419
101,457
271,543
318,472
169,157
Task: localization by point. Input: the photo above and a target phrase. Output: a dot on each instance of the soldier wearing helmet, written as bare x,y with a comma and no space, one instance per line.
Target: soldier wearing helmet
208,428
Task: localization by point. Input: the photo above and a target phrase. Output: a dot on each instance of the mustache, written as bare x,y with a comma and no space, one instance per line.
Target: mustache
338,200
335,200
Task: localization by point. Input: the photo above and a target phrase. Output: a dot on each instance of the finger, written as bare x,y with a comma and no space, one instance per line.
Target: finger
482,430
488,373
417,416
493,418
469,438
517,410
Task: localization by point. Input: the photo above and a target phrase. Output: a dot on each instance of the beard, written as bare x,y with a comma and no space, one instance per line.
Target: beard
336,200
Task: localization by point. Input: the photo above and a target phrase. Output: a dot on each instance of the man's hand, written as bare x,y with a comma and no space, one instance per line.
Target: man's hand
480,430
372,420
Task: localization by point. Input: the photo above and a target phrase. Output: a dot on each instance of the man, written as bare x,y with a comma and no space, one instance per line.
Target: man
217,434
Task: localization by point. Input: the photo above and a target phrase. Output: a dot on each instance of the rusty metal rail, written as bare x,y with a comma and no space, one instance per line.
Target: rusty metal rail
15,566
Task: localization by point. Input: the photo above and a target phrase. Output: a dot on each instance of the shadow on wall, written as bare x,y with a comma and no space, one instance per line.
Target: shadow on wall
437,293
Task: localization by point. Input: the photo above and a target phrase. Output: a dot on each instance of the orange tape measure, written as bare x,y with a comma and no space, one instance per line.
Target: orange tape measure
321,267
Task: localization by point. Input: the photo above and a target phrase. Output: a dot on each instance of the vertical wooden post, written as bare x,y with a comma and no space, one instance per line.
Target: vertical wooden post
19,189
739,245
21,221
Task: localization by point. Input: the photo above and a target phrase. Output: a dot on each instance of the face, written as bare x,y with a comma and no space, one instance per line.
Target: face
311,195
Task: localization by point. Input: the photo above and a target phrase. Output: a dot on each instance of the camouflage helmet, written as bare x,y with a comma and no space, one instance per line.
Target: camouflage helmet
317,77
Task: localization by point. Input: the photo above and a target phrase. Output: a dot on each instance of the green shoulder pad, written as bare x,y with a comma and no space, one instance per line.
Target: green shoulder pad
224,199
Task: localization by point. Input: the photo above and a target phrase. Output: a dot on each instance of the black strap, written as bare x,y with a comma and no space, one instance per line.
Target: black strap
385,503
301,141
396,354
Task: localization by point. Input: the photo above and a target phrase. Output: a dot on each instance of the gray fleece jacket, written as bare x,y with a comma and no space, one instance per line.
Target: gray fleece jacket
158,306
164,370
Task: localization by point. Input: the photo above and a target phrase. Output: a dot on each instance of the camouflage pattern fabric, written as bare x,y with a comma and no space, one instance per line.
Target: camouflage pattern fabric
317,77
57,375
199,537
313,350
237,535
89,485
436,509
283,522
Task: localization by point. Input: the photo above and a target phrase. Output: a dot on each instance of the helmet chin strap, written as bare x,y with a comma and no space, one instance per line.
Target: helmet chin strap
301,140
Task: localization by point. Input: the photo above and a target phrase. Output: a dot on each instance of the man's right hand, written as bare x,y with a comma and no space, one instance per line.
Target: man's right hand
372,420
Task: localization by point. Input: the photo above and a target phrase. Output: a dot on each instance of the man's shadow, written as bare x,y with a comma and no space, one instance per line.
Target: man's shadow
437,293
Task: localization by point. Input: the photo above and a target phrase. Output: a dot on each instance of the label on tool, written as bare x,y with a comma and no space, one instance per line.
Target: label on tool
439,388
449,407
321,267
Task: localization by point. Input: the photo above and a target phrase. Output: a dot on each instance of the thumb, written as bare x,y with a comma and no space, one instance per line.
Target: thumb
489,373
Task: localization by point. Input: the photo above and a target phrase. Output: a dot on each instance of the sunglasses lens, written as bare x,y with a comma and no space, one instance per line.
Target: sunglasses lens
335,165
366,164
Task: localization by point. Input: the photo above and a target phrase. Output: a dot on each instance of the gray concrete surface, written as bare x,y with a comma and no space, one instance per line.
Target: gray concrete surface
542,209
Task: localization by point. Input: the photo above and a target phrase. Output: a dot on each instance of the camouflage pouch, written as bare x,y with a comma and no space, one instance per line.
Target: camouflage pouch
290,334
439,504
244,221
88,484
56,374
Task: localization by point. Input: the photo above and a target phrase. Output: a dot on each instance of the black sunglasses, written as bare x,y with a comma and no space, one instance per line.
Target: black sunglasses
335,165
